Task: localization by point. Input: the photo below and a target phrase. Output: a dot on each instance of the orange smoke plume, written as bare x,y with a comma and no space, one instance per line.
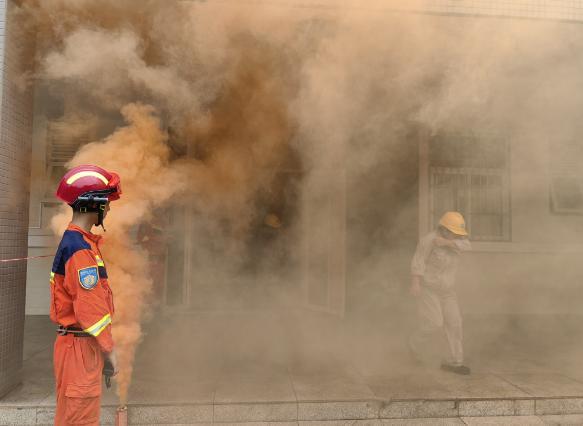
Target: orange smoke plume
139,154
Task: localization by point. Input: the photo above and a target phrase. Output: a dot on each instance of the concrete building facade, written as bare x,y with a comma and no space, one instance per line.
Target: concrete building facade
502,238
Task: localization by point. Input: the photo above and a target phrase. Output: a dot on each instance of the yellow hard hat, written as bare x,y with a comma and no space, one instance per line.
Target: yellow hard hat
273,221
454,222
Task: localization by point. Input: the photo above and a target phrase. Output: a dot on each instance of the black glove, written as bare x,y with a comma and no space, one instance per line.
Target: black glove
108,372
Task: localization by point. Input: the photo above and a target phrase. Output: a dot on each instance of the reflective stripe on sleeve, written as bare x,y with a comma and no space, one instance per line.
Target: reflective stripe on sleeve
52,280
99,261
99,326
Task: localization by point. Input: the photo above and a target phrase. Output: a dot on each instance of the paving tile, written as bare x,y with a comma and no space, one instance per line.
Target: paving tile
265,412
423,422
524,407
546,385
503,407
503,420
568,419
238,392
170,414
408,387
418,409
17,416
356,410
30,393
107,415
182,424
109,396
49,401
372,422
314,388
257,424
479,385
559,406
45,415
150,392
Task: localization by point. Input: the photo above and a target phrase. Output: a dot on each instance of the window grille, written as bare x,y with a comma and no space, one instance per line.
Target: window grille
481,195
469,174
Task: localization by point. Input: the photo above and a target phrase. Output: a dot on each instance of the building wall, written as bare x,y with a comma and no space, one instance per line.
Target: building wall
543,246
536,9
539,271
15,135
564,10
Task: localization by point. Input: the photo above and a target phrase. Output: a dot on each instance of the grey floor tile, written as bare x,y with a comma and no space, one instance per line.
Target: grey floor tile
257,412
258,424
418,409
479,385
357,410
546,385
503,420
408,386
552,406
314,388
492,407
423,422
571,419
31,393
372,422
236,391
144,392
17,416
170,414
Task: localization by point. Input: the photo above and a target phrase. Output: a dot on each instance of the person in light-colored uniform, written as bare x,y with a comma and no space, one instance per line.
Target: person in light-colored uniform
433,272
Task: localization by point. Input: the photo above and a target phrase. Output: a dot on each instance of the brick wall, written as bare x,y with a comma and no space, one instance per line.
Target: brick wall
15,135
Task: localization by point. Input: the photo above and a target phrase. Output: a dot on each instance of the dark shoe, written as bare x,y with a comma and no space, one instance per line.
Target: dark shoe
457,369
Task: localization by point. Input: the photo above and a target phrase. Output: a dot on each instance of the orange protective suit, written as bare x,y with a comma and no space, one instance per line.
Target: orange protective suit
80,298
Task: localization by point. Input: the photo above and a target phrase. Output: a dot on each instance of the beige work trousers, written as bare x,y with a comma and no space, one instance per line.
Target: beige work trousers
438,310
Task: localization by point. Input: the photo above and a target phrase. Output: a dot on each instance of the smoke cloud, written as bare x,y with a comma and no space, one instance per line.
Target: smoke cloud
299,124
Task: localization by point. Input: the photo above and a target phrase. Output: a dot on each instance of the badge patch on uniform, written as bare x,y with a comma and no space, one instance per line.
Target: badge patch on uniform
88,277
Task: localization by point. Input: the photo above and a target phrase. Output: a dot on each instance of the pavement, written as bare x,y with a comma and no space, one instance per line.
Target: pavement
266,369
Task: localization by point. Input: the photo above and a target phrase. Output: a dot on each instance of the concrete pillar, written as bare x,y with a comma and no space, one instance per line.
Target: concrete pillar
15,143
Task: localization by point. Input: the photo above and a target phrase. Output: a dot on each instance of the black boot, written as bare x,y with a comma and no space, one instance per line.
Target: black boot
457,369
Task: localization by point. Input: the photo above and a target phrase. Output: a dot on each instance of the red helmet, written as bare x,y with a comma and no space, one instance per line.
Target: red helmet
88,180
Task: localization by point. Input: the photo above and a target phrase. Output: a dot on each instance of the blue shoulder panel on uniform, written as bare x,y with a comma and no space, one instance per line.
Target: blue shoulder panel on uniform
71,243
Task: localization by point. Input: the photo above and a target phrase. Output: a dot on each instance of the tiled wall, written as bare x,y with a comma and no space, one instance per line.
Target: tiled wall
570,10
15,135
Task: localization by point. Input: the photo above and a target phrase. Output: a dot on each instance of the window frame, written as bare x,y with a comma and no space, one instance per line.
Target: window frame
503,174
555,207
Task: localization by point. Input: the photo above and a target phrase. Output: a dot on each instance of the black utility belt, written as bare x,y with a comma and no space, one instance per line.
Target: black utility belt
77,332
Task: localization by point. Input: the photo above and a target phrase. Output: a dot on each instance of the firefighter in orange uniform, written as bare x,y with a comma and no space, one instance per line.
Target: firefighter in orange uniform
81,299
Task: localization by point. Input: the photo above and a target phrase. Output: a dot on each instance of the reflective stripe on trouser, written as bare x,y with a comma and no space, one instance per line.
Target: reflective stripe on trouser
439,309
78,365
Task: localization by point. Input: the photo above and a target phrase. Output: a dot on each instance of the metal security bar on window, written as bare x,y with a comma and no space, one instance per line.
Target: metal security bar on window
481,195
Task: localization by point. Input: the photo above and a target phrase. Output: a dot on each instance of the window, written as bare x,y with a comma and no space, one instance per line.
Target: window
567,194
566,181
469,174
